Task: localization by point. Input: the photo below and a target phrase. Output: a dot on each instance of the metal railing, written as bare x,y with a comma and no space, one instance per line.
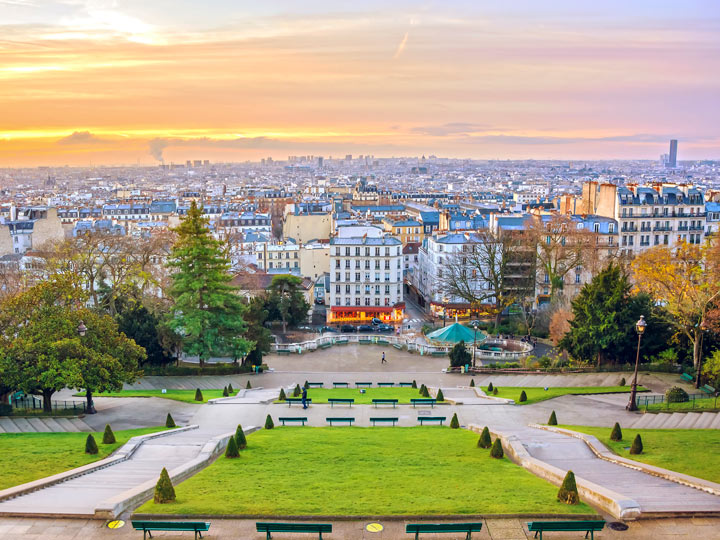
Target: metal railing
35,405
694,401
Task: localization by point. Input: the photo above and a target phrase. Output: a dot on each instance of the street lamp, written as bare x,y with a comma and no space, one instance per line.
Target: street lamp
90,408
475,325
81,329
640,328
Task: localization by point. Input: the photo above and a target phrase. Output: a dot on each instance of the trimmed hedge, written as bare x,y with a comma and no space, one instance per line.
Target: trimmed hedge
637,445
616,433
240,438
231,451
454,423
269,424
552,421
169,422
568,493
108,436
90,445
198,395
497,450
164,490
485,441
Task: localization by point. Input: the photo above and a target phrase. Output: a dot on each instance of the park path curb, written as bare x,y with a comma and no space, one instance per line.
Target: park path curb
603,452
113,507
615,504
123,453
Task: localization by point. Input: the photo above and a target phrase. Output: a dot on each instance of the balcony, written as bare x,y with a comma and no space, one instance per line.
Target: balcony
682,228
663,228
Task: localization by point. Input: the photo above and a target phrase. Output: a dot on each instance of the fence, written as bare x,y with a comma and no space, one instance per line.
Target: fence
32,404
694,401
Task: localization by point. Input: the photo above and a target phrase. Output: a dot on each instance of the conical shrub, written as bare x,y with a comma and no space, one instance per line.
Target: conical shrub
297,391
231,390
616,433
414,384
108,436
495,391
637,445
306,385
282,396
568,493
231,451
169,422
440,396
454,423
552,421
490,388
622,381
497,450
248,386
90,445
472,383
225,392
523,397
198,395
485,441
164,490
269,422
240,439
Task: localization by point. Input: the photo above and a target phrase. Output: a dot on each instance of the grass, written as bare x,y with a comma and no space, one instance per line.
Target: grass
535,394
321,395
186,396
293,471
704,404
25,457
689,451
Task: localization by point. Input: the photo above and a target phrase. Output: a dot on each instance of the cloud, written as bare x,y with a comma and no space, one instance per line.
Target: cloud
81,137
453,128
156,147
401,47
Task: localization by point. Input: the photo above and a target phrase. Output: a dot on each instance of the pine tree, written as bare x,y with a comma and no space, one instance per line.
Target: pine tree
472,383
297,391
552,421
248,386
240,438
495,391
269,422
306,385
90,445
454,423
490,388
282,396
637,445
207,312
225,392
231,390
568,493
485,441
108,436
497,450
616,433
523,397
231,451
198,395
169,422
622,381
414,384
164,490
425,391
440,396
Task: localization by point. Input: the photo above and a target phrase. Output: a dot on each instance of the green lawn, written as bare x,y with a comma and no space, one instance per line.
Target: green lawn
25,457
186,396
535,394
321,395
690,451
363,471
707,404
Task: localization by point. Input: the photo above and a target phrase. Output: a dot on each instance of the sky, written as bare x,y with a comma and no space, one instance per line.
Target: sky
89,82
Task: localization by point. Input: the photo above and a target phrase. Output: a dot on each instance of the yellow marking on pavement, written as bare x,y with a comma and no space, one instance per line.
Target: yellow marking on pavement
115,524
374,527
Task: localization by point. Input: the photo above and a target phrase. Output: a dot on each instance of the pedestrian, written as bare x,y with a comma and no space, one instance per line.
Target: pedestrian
304,397
383,361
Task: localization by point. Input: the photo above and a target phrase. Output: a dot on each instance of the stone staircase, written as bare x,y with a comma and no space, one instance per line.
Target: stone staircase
42,425
686,420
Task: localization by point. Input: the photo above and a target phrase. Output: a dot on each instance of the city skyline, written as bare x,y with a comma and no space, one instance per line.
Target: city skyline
103,82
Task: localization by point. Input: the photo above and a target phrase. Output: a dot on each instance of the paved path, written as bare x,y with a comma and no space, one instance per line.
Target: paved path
42,425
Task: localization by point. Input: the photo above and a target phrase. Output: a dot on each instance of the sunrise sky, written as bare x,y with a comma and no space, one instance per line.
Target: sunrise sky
130,81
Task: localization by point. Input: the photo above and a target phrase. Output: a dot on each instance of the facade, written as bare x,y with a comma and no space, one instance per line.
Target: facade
29,228
306,226
405,230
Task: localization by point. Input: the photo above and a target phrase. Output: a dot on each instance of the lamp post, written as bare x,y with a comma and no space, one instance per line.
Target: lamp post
474,324
640,328
90,407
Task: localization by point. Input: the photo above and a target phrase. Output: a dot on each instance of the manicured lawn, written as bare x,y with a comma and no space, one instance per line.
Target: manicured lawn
535,394
706,404
321,395
363,471
25,457
187,396
690,451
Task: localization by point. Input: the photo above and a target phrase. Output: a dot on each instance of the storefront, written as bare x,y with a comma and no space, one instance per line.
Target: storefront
353,314
460,310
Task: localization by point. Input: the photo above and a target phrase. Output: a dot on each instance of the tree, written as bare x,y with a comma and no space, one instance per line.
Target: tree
208,313
560,324
269,424
164,490
440,396
287,301
282,396
637,445
108,436
90,445
231,451
552,421
169,422
198,395
496,451
568,492
459,356
454,422
42,351
240,438
711,369
256,316
523,397
485,441
137,322
686,280
616,433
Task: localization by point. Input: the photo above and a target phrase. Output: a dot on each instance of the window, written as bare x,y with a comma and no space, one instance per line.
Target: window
546,278
387,265
347,276
357,276
357,251
347,289
337,276
377,251
367,251
377,264
387,289
377,301
596,227
337,263
387,251
387,301
347,251
367,265
377,276
387,276
367,301
347,263
377,289
357,301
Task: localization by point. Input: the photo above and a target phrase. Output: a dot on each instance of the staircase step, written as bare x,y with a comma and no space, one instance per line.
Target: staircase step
52,424
643,421
66,425
8,425
689,421
716,422
659,421
38,425
705,420
674,420
24,425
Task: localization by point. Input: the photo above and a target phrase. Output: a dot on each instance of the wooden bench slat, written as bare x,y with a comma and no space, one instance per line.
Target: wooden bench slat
392,419
557,526
284,419
467,528
330,420
316,528
440,419
198,527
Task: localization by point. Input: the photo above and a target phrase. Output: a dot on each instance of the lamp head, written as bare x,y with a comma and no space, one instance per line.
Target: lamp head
81,329
641,325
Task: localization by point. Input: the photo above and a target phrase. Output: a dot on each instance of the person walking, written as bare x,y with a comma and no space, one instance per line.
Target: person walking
383,361
304,397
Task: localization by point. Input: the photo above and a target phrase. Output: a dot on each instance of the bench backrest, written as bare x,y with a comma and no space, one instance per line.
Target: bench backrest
385,419
565,525
442,527
340,419
422,400
293,527
293,418
432,418
294,399
172,525
341,399
385,400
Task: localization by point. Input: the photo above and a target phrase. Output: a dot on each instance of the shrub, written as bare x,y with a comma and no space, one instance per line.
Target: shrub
269,422
622,382
637,445
459,356
297,391
440,396
5,409
225,392
616,433
231,390
282,396
424,391
523,397
497,450
485,441
90,445
198,395
414,384
455,423
306,385
544,362
676,395
231,451
248,386
164,490
490,387
568,493
240,439
472,383
108,436
552,421
495,391
169,422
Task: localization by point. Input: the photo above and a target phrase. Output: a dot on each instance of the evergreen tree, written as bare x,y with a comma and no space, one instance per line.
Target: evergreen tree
90,445
286,300
622,381
414,384
225,392
440,396
240,439
552,421
568,493
495,391
523,397
459,356
306,385
472,383
454,423
637,445
198,395
231,451
497,450
282,396
141,325
231,390
490,388
169,422
164,490
616,433
485,441
297,391
207,312
269,424
108,436
248,386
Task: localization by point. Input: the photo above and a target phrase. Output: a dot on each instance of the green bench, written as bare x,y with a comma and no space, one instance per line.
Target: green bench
467,528
340,385
198,527
405,385
385,419
346,420
314,385
438,353
439,419
341,342
397,346
382,342
347,401
377,402
325,346
686,377
363,384
708,389
292,400
556,526
313,528
284,419
385,384
364,341
283,351
423,401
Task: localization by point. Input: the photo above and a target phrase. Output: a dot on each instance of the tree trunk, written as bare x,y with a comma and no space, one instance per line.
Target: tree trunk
498,318
599,359
47,403
697,356
89,407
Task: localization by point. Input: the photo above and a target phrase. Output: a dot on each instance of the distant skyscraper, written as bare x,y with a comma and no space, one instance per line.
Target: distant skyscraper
672,158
